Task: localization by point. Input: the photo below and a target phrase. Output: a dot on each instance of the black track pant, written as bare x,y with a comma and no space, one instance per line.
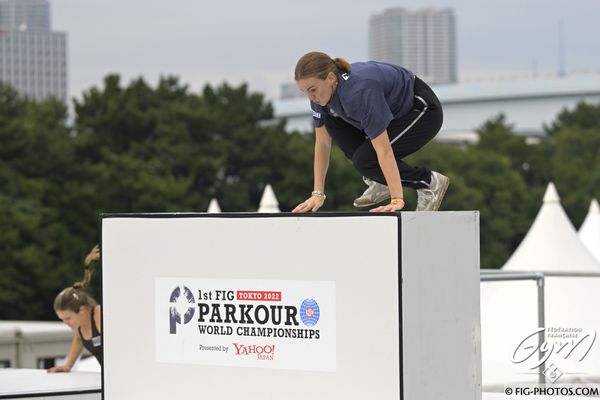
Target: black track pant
407,135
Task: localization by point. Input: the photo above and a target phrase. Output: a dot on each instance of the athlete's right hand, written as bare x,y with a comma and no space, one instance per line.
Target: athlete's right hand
313,203
62,368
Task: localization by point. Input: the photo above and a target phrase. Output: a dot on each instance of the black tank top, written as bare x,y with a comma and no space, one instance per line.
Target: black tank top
94,345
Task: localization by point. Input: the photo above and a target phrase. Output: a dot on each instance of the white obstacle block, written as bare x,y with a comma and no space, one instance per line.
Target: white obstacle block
286,306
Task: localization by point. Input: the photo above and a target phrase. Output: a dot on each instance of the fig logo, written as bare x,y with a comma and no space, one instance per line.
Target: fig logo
309,312
181,303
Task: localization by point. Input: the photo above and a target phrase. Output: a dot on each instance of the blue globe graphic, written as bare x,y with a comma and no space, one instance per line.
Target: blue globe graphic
309,312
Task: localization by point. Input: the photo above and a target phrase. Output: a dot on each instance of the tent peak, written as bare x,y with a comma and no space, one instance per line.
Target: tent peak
268,202
594,208
551,195
213,207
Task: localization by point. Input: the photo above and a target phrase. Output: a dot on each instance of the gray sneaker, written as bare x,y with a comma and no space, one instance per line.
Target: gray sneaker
375,193
430,198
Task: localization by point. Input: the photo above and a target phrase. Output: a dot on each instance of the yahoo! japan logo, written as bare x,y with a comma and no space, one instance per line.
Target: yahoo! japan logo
180,304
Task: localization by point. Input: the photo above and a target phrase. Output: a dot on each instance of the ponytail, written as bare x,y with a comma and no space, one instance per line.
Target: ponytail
318,65
87,274
72,298
342,65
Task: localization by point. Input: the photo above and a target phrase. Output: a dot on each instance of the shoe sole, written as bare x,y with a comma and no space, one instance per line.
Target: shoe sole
438,203
370,204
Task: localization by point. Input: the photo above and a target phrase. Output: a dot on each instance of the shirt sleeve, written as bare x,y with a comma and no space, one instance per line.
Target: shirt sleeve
373,112
317,114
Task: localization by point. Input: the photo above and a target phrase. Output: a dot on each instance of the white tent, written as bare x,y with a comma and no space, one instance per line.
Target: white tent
589,232
552,243
509,309
213,207
268,202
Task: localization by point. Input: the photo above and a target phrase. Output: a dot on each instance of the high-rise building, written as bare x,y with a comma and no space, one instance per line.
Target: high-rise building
423,41
33,58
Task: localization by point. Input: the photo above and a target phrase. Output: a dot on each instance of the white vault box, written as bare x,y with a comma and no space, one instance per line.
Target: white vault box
287,306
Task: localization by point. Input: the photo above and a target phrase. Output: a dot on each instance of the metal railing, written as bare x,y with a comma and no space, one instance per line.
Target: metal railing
539,277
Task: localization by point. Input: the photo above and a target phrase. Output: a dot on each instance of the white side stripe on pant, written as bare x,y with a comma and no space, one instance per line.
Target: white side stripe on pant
414,122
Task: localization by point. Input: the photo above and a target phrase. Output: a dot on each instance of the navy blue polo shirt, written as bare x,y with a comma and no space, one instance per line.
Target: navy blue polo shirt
369,97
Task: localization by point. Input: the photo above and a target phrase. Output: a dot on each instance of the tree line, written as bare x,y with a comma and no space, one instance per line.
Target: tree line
137,148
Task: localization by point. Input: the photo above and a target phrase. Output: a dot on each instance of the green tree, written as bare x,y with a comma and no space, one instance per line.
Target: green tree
584,116
144,149
575,168
529,159
36,247
574,147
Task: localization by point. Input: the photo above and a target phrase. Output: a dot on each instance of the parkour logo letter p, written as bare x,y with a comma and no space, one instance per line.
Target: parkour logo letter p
180,303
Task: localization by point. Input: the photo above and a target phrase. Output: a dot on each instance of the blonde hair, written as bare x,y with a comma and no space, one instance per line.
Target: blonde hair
72,298
318,65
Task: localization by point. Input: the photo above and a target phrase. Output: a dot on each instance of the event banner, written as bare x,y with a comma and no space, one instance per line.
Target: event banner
281,324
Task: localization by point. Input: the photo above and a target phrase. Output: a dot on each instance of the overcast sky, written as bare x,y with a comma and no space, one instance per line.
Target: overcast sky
259,41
